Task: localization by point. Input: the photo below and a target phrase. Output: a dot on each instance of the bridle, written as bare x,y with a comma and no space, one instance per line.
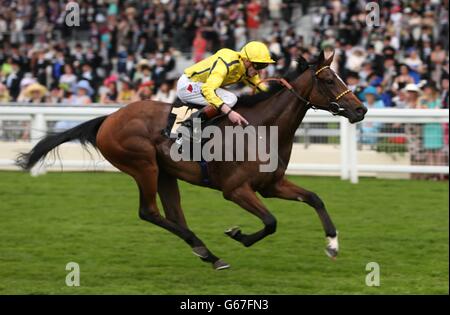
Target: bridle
334,107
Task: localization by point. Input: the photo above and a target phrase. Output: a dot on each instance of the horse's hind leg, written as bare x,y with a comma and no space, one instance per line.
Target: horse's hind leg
169,195
147,181
284,189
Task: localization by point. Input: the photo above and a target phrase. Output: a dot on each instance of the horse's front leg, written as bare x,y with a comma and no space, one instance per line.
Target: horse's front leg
284,189
245,197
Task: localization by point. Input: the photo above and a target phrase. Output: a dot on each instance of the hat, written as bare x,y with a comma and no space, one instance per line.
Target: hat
84,84
370,90
143,63
27,81
146,84
111,79
35,87
411,87
375,80
64,86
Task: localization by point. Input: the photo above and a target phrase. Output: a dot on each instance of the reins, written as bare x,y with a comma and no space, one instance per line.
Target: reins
334,106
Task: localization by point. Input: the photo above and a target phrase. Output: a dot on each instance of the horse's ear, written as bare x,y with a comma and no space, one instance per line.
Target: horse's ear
302,64
326,58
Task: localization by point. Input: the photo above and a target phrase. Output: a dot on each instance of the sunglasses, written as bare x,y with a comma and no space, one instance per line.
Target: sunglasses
259,66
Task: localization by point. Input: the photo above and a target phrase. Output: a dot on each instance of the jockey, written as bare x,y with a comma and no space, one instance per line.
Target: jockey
202,83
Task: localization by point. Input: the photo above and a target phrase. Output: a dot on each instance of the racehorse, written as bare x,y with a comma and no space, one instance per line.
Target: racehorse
131,140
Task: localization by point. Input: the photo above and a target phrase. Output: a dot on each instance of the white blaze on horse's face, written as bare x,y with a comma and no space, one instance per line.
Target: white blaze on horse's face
340,79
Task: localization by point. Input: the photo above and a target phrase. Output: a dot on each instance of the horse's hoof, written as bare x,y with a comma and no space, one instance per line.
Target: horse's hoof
332,247
220,264
232,232
200,251
331,252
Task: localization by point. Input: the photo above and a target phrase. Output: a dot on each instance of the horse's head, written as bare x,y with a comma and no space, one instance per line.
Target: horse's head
330,93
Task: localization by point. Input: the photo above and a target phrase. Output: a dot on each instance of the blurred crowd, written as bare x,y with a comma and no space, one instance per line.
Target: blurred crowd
122,50
128,50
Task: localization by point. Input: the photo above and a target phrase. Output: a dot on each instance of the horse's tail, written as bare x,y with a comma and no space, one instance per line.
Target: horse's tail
85,133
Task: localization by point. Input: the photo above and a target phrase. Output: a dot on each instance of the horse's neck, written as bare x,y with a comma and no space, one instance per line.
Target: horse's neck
285,110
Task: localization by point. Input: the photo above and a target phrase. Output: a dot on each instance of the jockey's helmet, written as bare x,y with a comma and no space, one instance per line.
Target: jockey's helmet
256,52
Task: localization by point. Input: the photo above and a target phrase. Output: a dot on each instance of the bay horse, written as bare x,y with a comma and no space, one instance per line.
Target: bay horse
132,141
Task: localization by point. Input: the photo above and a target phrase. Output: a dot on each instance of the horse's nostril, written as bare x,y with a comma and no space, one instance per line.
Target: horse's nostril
361,111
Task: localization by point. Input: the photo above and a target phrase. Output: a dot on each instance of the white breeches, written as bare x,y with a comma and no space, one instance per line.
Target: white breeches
191,92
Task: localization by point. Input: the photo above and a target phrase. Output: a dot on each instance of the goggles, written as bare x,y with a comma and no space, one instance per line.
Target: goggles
259,65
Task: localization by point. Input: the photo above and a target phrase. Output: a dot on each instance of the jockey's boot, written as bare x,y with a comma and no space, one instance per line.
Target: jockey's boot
203,114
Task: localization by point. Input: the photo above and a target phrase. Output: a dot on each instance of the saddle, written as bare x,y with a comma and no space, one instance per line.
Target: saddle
206,114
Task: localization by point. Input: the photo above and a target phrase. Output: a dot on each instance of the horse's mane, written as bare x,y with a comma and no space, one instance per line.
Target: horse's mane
274,88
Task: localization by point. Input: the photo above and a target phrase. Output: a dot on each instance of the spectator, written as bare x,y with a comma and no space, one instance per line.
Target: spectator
35,93
413,61
413,93
240,36
414,131
355,59
4,94
199,46
109,91
68,77
126,94
437,60
24,83
401,99
159,71
432,132
403,78
444,100
166,93
253,19
13,78
83,93
56,94
444,93
145,91
370,129
143,73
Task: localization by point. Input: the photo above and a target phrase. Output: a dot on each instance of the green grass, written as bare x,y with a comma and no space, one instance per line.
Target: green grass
91,218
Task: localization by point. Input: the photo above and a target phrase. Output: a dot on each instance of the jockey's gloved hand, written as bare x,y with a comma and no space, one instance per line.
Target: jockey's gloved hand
233,116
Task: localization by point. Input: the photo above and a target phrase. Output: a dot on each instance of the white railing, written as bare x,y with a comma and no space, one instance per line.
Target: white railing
348,167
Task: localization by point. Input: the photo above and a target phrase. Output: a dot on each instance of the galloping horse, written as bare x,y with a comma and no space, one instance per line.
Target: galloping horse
131,140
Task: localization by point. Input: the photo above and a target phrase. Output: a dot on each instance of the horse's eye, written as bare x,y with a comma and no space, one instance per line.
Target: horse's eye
329,81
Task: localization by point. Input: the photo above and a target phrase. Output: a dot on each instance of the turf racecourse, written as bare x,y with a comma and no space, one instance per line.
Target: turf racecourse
91,219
